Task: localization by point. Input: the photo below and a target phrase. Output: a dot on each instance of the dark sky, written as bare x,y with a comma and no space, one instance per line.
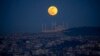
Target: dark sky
29,15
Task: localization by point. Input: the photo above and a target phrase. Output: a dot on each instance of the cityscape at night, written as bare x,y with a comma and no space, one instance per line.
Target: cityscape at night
50,28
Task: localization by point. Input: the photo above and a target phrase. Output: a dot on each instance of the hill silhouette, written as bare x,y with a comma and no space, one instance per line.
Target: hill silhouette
83,31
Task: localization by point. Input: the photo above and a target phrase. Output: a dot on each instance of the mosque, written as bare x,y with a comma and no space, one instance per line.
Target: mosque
54,28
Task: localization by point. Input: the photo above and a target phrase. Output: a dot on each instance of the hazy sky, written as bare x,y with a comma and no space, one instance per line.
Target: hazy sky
29,15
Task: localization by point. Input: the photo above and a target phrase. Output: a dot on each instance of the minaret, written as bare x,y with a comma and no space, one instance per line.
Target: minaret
63,25
45,30
54,26
42,28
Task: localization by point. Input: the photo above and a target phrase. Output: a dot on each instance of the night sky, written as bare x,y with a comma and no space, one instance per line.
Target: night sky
29,15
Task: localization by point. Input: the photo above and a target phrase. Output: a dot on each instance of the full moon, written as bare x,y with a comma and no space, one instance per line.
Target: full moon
52,10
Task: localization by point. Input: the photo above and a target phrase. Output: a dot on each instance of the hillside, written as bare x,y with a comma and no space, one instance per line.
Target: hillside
83,31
